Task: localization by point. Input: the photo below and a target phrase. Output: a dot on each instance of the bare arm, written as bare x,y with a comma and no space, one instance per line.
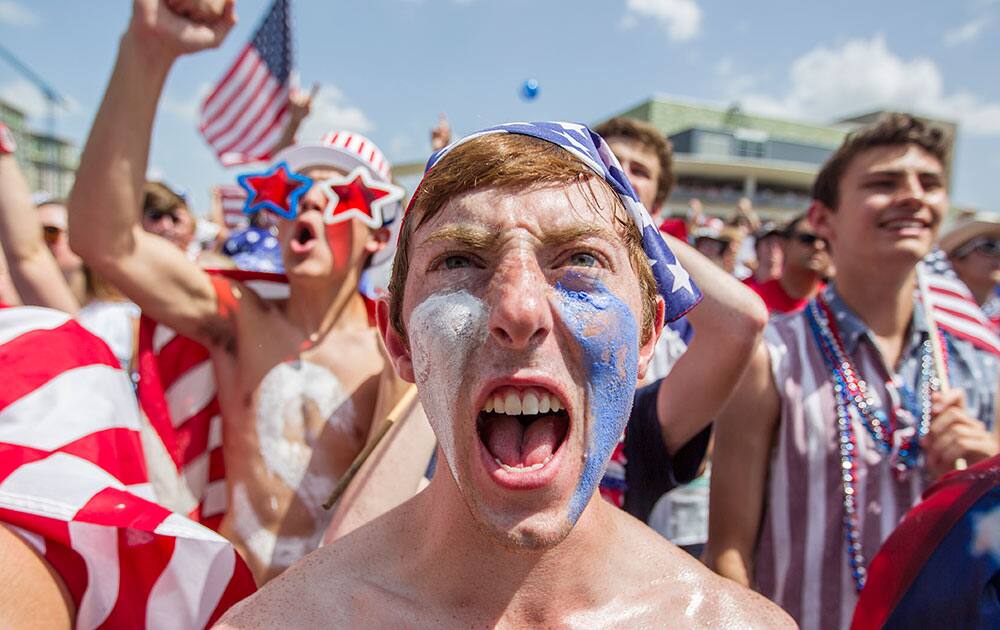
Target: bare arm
727,326
744,434
33,270
33,595
105,202
299,106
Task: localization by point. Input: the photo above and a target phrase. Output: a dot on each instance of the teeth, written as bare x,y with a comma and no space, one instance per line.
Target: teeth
518,469
529,402
512,405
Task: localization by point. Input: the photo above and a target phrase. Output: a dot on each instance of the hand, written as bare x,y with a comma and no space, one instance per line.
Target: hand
201,11
955,435
441,133
300,103
155,25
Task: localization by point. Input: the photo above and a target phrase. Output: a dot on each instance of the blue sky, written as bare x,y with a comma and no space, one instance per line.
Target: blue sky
388,67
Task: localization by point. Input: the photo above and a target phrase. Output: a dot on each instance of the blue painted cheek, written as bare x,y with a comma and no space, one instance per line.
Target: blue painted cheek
606,331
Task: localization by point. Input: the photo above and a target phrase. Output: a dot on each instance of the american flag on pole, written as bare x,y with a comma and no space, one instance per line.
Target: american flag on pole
178,393
75,487
247,112
955,309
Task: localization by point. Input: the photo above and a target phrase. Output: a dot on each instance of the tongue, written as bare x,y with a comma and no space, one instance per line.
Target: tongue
518,447
503,439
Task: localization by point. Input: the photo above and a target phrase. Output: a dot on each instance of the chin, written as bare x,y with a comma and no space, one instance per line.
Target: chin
535,531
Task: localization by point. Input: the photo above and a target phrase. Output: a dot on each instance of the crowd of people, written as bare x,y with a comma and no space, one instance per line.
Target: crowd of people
531,395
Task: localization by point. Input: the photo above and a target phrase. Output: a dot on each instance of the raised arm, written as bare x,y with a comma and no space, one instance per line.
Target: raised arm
33,270
744,435
727,326
105,202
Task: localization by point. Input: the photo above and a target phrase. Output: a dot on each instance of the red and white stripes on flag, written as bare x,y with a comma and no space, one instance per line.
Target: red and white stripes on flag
956,311
245,115
74,486
232,199
177,391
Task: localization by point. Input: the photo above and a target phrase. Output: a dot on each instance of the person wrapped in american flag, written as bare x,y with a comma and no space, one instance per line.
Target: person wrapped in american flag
298,380
83,540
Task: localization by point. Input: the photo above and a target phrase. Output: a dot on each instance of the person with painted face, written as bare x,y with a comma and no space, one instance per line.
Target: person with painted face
524,307
298,380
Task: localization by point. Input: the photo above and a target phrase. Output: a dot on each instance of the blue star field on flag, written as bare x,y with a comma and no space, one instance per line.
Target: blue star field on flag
679,292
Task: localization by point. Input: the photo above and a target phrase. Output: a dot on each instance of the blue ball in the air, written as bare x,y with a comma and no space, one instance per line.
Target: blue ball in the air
529,90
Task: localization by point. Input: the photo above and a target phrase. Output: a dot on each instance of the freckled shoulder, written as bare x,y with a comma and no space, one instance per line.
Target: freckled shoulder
685,587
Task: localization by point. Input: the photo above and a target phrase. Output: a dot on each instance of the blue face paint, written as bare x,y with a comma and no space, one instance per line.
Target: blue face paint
606,331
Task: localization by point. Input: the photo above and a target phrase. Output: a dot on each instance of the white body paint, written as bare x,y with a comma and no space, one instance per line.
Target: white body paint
444,329
262,543
283,396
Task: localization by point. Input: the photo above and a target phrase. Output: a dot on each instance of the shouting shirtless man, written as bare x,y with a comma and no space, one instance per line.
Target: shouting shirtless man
298,381
524,307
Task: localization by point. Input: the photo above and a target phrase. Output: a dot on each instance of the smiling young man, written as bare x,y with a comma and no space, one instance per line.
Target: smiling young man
841,420
298,380
524,308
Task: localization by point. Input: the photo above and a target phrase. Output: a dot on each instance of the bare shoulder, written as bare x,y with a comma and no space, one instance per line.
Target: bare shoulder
315,592
33,595
682,587
340,585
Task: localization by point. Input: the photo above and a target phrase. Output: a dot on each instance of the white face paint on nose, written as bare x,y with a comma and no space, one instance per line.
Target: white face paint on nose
444,330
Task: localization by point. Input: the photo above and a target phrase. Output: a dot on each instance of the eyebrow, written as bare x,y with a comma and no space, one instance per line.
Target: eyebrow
900,173
482,238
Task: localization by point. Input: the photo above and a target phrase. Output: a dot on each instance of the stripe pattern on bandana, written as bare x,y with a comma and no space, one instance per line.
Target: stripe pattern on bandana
680,293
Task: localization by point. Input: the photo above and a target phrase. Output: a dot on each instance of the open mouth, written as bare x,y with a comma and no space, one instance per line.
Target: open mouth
522,428
304,238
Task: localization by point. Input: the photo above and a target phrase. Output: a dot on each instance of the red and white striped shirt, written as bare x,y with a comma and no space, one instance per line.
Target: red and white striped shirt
801,560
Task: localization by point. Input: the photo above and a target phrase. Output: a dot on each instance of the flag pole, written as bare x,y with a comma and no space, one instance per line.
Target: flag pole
940,366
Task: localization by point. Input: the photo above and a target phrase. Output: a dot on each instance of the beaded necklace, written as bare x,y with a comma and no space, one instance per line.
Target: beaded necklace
852,391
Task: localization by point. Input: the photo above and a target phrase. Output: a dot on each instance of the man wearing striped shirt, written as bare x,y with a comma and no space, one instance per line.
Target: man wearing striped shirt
844,417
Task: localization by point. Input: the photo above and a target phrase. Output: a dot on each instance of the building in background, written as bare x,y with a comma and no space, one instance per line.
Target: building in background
48,162
723,154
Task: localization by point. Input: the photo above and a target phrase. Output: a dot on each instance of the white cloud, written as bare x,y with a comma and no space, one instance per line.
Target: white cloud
863,74
188,109
330,112
25,96
681,19
968,32
16,14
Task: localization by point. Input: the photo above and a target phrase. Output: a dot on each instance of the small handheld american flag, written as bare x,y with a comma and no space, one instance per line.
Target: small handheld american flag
245,115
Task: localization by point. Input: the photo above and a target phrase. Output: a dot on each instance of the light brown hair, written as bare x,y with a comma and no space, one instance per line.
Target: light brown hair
648,136
889,130
511,162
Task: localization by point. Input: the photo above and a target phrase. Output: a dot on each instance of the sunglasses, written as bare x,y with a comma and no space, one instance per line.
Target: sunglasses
809,240
985,246
51,234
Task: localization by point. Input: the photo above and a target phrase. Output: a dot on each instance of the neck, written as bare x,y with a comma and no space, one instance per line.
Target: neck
799,283
883,301
319,305
526,587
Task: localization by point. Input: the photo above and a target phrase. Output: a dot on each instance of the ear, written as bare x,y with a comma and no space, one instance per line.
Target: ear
646,350
399,351
819,216
377,241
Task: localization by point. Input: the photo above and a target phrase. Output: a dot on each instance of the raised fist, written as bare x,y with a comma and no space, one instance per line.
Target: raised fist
201,11
176,27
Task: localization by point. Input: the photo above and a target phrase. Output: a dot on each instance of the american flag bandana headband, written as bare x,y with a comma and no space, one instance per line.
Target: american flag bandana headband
680,294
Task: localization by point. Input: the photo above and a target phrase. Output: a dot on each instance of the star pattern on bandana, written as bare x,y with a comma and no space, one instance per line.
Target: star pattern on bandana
682,279
277,189
358,196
